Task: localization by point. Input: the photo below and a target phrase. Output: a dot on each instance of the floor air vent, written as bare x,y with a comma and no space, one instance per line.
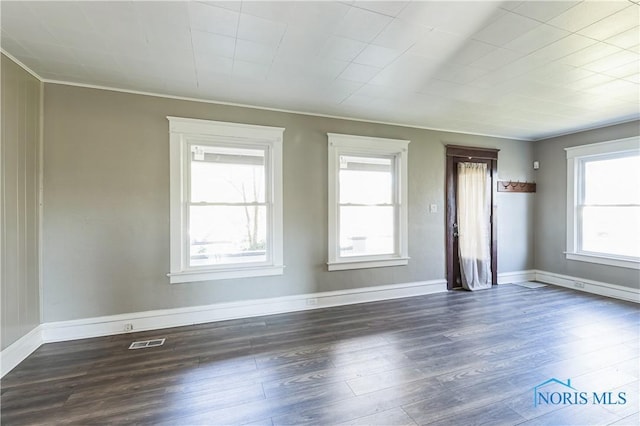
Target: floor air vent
530,284
147,344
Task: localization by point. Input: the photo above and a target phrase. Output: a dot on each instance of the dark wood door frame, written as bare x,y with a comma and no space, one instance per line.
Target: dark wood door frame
470,153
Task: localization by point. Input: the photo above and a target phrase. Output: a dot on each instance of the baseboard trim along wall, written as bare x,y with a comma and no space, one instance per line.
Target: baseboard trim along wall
167,318
574,283
589,286
15,353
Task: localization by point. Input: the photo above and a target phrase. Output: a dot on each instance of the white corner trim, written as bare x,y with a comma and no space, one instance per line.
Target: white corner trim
166,318
589,286
22,65
16,352
516,276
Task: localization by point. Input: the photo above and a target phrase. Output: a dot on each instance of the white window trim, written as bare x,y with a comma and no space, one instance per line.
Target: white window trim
183,130
363,145
574,157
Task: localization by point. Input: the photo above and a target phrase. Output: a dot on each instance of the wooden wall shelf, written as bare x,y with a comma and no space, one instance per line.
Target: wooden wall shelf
516,186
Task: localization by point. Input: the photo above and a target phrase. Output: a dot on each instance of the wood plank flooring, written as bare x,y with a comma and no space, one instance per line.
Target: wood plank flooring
455,358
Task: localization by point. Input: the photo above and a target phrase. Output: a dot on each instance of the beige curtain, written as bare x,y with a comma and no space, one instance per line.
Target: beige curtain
474,226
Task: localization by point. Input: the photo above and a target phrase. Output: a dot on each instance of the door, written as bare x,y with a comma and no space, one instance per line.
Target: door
456,155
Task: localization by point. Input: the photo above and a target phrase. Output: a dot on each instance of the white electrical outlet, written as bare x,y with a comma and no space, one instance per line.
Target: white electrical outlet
312,302
128,327
578,284
433,208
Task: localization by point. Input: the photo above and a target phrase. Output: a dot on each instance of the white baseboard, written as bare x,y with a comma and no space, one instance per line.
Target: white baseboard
15,353
516,277
166,318
589,286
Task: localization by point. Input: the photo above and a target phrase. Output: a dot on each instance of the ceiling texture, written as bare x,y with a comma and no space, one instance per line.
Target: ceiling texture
518,69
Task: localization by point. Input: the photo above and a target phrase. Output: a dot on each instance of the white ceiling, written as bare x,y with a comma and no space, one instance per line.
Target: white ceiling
521,69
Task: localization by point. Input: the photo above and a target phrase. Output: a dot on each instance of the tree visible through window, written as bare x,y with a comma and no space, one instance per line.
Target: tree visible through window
226,200
227,211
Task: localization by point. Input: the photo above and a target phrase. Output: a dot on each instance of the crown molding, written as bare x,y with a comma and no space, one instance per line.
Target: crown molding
308,113
21,65
587,129
287,111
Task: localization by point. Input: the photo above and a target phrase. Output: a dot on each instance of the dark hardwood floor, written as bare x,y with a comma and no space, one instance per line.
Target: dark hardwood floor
455,358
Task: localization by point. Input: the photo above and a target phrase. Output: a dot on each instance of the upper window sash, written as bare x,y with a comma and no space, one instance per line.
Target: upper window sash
577,158
185,132
231,151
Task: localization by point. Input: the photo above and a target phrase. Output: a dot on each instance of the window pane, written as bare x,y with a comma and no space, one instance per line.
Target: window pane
227,234
612,181
611,230
366,230
366,180
227,175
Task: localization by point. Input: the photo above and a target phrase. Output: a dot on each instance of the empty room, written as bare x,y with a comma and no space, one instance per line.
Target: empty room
320,212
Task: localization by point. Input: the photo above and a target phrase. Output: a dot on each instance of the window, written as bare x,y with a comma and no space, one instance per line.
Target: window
226,200
367,202
603,204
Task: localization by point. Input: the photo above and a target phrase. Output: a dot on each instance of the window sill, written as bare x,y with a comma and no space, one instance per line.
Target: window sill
364,264
604,260
223,274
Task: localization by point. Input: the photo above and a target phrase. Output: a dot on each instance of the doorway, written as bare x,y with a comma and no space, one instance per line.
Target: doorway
461,154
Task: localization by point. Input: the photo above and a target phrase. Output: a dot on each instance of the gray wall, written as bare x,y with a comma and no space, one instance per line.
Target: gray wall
106,218
20,188
550,210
